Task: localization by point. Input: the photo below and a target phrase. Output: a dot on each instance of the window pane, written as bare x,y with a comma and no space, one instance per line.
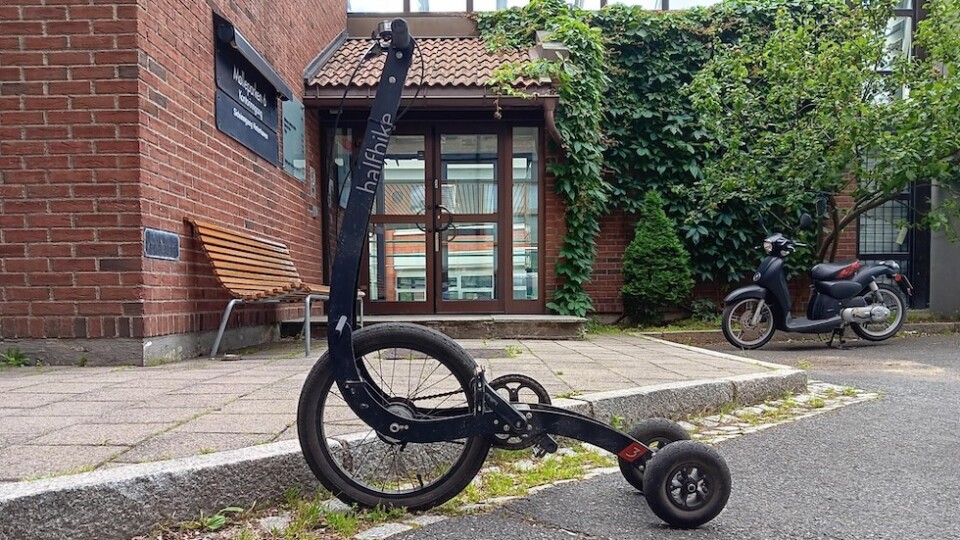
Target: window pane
398,263
884,229
402,185
687,4
438,6
469,173
589,5
374,6
469,261
494,5
526,224
899,36
904,4
645,4
341,155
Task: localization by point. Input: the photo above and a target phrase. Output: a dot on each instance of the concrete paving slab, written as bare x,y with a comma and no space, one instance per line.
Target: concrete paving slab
261,406
60,388
119,393
20,461
147,413
101,434
36,425
9,400
238,423
83,408
215,387
173,445
198,401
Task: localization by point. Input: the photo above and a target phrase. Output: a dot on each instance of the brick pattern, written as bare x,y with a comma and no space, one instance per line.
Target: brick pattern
106,127
191,169
69,196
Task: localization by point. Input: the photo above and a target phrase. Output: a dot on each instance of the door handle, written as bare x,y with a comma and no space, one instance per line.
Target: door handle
441,210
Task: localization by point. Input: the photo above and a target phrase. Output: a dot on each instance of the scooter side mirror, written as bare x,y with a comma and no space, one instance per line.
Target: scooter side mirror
806,222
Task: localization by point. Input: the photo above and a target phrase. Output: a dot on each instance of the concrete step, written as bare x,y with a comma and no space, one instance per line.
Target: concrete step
469,326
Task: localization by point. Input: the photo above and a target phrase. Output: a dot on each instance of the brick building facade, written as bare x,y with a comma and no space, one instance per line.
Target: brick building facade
108,131
107,128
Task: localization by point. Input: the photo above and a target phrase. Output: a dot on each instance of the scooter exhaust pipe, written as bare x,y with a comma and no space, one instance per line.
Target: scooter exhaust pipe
865,314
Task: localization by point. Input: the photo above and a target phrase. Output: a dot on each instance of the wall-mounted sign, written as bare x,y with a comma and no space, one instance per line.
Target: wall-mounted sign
236,121
294,147
245,85
247,92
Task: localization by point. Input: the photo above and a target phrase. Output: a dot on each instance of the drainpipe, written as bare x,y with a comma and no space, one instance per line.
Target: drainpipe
549,108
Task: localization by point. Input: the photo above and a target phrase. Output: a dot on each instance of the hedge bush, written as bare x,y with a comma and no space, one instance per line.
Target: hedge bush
656,267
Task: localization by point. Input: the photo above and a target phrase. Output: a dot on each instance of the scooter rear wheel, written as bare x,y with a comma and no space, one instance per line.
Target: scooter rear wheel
418,373
739,328
893,300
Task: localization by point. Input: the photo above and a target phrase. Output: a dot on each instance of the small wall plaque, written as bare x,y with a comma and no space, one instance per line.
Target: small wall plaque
161,245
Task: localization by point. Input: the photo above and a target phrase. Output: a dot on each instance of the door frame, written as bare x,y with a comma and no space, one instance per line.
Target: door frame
505,303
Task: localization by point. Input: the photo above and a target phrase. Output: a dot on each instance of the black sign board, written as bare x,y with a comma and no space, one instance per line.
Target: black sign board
237,77
236,121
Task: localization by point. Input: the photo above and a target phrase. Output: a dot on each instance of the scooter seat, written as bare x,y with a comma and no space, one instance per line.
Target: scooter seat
833,271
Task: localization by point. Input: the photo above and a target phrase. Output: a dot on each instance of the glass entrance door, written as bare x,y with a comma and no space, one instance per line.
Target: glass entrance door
455,226
467,223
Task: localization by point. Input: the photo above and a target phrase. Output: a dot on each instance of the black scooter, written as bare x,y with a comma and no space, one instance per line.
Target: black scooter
844,294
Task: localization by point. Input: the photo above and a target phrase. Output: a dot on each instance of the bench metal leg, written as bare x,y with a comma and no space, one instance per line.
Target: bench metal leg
360,309
223,326
306,317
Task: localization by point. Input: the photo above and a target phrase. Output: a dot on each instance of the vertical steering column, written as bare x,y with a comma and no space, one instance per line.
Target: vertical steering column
366,177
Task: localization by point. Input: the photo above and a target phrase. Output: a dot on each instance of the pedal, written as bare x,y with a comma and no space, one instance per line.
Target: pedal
545,445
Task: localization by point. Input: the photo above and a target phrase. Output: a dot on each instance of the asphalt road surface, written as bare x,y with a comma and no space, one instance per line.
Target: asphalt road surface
886,469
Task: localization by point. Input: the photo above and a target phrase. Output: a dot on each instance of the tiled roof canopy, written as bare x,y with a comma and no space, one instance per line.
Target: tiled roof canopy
460,62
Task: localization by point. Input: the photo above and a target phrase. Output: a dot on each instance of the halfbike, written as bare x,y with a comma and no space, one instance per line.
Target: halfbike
399,415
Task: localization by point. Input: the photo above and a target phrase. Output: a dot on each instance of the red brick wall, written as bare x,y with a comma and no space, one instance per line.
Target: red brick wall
106,127
191,169
69,194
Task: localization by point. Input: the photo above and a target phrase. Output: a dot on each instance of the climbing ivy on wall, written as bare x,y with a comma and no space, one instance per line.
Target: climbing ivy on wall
628,125
581,83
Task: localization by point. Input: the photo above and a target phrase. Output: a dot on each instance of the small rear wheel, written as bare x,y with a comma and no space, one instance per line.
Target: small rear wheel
655,434
688,484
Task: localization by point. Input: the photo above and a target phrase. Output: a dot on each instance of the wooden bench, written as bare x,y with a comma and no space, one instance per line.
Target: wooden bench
255,269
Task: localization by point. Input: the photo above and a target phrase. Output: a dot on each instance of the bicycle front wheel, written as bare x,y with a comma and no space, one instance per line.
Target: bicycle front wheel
418,373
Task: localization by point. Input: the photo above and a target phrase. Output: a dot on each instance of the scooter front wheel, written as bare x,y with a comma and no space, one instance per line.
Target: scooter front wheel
418,373
744,328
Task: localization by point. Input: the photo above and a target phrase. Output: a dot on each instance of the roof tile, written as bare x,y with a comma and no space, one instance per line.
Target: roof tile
448,62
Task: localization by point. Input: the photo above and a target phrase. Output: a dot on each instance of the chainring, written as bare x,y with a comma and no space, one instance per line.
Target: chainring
515,385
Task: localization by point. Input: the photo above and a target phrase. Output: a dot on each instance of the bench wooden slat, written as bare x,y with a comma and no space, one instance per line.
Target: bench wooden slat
227,244
259,267
258,270
240,237
234,274
216,251
243,281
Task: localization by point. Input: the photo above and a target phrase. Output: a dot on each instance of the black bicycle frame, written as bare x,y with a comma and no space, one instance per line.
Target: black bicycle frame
490,413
